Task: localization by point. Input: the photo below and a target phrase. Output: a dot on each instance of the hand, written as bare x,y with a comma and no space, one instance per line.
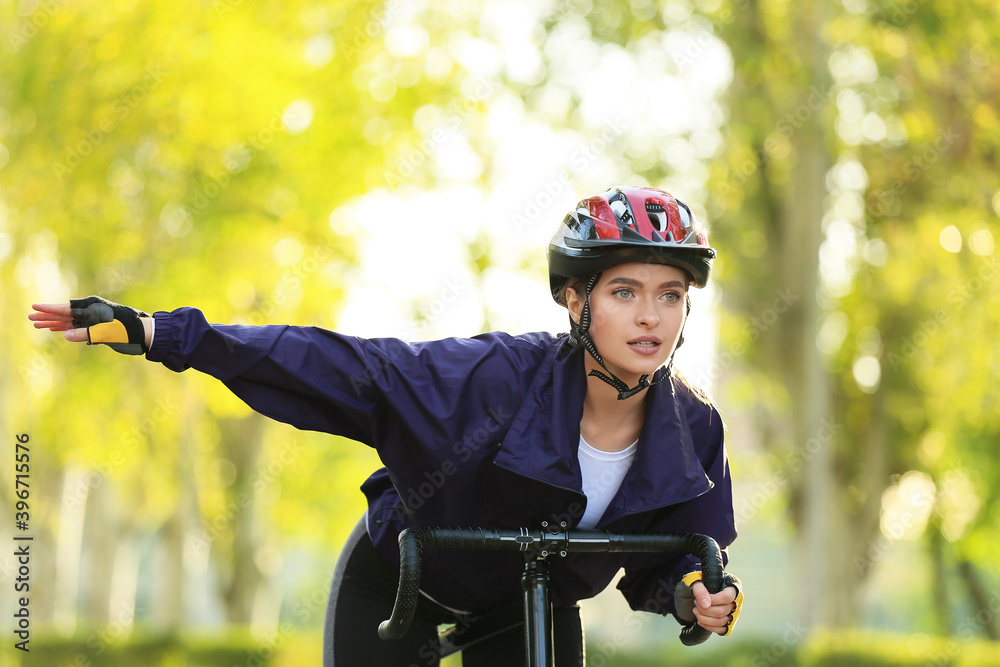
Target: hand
95,320
713,611
58,317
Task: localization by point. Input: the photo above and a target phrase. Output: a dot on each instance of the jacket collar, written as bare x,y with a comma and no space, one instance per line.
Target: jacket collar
544,438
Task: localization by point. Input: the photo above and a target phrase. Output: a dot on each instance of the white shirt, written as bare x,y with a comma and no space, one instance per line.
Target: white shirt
603,473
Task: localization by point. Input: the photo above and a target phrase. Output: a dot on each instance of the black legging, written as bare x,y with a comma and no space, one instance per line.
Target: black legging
362,596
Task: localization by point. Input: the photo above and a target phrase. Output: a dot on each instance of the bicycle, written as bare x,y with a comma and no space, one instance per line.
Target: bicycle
537,546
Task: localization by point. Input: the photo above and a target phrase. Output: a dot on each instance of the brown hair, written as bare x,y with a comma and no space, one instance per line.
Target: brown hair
559,294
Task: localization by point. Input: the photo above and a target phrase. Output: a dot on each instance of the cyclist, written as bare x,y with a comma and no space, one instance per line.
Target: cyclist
590,429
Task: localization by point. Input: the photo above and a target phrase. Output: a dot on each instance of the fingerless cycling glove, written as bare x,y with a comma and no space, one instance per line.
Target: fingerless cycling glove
112,324
684,598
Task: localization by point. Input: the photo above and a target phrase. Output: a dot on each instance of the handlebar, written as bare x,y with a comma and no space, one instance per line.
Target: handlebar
542,543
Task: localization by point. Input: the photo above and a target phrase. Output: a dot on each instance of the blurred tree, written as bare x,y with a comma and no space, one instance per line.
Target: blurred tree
855,180
151,152
888,147
161,154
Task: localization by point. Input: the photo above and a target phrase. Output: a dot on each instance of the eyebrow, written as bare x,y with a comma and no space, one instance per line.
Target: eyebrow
632,282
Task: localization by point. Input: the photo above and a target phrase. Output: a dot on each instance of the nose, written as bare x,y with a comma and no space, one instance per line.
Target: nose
647,315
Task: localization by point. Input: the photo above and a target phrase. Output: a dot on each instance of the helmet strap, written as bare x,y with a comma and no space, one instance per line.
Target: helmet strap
580,335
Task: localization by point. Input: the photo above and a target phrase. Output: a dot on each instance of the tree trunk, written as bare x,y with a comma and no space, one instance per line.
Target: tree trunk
242,444
99,542
69,546
169,614
982,617
821,603
941,610
125,581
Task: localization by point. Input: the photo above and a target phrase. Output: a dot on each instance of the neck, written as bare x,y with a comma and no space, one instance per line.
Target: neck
608,423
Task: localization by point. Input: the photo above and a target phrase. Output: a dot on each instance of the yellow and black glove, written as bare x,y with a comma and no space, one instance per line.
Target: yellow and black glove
112,324
684,598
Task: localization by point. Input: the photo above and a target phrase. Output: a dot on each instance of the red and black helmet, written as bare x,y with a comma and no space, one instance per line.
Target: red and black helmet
628,224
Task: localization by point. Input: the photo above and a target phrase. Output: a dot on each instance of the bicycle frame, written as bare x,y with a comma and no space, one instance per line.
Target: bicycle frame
537,546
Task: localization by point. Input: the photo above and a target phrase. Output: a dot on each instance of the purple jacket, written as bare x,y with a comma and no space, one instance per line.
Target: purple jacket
477,432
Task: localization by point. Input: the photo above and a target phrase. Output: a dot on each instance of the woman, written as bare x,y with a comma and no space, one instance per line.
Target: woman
593,429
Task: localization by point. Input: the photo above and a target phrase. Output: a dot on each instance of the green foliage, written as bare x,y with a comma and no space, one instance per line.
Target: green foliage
233,647
867,649
899,99
821,649
162,155
158,154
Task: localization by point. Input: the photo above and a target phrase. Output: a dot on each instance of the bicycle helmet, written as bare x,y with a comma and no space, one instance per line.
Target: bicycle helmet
628,224
624,224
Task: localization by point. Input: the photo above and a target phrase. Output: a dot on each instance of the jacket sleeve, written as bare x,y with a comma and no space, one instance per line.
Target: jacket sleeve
649,582
363,389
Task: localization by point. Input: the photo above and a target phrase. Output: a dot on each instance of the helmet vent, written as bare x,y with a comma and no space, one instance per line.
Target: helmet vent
657,215
621,211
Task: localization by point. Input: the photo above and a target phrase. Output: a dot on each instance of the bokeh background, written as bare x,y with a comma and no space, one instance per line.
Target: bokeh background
395,169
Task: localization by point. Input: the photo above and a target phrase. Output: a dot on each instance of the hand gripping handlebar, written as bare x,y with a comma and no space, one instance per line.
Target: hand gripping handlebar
541,544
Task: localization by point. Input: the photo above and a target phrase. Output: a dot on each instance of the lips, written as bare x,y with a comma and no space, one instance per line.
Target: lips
645,344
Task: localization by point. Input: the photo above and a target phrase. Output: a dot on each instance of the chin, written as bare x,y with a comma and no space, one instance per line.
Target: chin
638,372
651,371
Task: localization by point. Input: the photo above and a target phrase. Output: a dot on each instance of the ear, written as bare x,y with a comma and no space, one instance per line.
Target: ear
574,304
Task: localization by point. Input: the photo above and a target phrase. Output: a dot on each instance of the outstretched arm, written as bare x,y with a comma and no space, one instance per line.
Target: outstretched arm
72,321
383,392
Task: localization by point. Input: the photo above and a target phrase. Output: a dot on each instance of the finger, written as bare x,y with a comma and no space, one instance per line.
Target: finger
713,625
49,324
724,597
49,317
711,622
701,597
716,611
54,308
50,321
76,335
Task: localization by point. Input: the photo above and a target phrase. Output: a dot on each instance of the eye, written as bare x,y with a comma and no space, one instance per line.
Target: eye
623,293
671,297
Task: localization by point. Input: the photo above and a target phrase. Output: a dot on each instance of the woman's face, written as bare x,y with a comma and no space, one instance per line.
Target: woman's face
637,314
